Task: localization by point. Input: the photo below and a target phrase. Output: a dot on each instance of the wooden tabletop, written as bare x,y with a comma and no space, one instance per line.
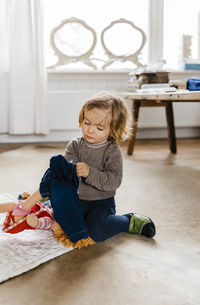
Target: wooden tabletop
179,95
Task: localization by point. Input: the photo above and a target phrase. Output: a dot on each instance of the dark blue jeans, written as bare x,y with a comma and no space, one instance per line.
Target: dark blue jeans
101,221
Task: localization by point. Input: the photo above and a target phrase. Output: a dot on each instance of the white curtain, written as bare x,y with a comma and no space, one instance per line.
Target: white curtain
25,66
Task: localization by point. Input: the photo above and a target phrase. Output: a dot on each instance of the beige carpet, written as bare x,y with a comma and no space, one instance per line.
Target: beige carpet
125,269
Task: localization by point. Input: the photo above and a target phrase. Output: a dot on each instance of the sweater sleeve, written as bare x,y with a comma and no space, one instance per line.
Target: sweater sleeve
108,179
71,151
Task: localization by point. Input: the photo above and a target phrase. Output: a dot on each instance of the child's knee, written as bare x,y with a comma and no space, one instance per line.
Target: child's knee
96,235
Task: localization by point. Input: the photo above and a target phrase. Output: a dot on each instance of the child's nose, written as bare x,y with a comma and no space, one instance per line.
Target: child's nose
90,128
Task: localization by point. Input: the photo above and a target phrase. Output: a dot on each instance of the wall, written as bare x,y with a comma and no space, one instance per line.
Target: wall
67,92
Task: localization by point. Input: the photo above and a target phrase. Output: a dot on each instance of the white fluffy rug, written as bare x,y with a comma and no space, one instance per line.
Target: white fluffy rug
25,250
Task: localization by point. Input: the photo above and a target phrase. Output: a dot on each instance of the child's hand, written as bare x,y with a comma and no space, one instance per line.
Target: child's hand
82,169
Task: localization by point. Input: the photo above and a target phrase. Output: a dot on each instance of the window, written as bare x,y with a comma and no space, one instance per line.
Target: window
98,15
180,17
163,36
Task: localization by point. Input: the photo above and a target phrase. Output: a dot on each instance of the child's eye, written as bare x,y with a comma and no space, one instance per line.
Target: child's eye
86,123
100,128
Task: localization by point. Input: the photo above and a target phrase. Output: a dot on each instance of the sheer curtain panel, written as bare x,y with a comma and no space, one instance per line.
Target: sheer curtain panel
26,81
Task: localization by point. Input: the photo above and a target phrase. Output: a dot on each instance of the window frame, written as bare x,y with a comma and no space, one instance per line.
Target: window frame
155,31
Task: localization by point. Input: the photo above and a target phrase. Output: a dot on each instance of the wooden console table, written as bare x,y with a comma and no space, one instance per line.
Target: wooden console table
158,100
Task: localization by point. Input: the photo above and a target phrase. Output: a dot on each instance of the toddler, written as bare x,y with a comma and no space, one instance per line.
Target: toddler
98,160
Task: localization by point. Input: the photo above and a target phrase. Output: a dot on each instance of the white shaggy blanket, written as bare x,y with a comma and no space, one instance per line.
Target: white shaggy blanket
25,250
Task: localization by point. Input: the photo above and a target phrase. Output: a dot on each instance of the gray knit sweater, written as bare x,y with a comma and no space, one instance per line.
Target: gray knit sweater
105,162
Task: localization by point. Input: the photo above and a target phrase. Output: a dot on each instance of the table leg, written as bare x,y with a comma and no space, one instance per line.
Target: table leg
170,126
135,114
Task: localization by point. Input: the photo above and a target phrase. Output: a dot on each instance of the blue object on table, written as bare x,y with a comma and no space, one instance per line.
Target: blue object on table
193,84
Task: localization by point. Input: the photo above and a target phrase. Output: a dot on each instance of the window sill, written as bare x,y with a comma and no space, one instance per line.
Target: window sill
114,71
93,72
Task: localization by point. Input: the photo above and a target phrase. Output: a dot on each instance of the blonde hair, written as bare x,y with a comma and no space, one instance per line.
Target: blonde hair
119,113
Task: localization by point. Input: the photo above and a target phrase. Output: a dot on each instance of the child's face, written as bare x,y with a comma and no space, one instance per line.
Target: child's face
96,125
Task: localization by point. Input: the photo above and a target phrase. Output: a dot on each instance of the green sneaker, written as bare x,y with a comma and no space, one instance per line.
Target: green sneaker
141,225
